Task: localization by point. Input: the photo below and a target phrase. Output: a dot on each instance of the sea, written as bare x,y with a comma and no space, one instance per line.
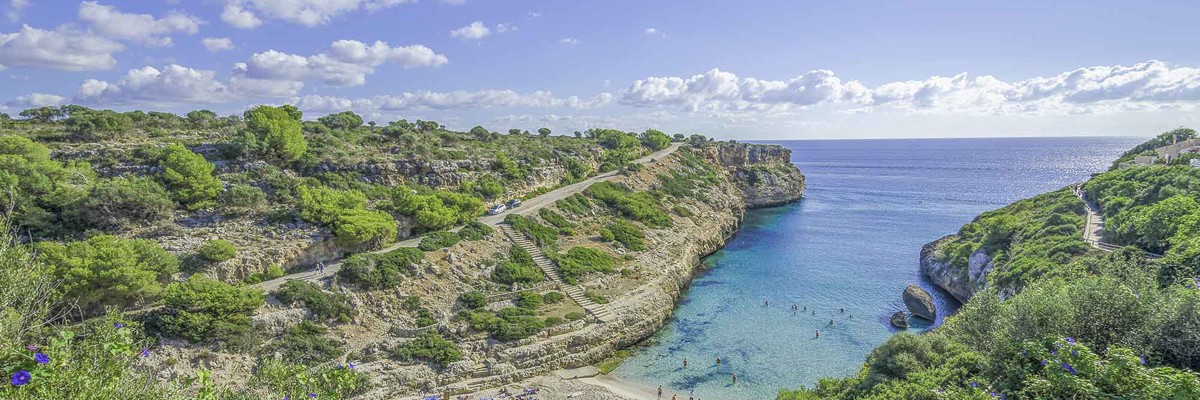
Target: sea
843,255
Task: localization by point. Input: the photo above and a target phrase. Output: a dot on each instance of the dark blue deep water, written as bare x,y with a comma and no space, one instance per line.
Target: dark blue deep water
853,243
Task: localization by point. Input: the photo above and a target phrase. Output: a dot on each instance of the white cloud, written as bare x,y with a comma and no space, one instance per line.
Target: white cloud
1100,89
14,9
344,63
246,14
568,41
724,89
239,17
143,28
427,100
215,44
654,32
34,100
505,27
61,49
475,31
174,84
534,15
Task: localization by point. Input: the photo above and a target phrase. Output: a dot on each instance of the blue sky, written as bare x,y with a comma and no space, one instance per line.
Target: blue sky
746,69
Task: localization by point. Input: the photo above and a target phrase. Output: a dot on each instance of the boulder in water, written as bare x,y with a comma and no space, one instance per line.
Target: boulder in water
900,320
919,302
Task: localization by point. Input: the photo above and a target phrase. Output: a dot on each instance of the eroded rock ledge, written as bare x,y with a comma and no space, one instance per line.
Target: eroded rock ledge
764,173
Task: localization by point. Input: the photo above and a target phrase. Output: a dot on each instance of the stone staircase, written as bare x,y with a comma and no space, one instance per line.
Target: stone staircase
602,312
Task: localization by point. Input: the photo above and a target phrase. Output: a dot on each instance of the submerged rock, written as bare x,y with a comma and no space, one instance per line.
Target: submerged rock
900,320
919,302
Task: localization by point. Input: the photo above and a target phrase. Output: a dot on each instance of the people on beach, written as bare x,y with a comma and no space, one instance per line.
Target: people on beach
831,322
843,310
818,334
685,362
735,378
659,390
766,303
718,360
673,397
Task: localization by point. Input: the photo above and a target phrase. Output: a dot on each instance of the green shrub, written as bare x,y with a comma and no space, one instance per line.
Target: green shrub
552,321
639,206
273,271
565,227
575,316
274,131
655,140
430,347
438,240
507,325
359,227
380,271
217,250
189,177
596,297
519,268
581,260
105,271
323,205
243,198
435,209
325,306
204,309
625,233
304,343
529,300
553,297
116,203
473,300
475,230
577,204
541,234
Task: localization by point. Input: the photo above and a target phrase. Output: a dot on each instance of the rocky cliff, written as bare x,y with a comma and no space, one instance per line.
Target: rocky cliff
960,282
764,173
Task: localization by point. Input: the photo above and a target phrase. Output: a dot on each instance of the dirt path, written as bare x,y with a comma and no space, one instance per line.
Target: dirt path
527,207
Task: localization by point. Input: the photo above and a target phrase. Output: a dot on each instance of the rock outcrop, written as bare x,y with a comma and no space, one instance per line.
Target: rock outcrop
919,302
764,173
900,320
959,282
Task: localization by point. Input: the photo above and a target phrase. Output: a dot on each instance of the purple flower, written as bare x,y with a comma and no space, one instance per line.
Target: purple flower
145,352
1069,368
351,365
974,384
1043,362
118,325
340,366
20,378
31,347
312,395
1074,353
1143,360
1071,340
1053,353
41,358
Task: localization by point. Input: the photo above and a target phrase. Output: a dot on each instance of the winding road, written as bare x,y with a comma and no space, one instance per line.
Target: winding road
527,207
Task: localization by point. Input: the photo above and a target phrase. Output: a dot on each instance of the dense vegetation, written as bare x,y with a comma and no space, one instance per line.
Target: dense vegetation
1059,319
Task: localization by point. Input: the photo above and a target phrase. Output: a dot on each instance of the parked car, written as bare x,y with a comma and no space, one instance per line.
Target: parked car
497,209
514,203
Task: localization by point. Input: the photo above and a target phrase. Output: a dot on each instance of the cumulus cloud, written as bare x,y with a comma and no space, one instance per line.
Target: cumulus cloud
214,44
654,32
505,27
239,17
1148,85
429,100
245,13
717,87
174,84
344,63
475,31
61,49
568,41
110,22
34,100
14,9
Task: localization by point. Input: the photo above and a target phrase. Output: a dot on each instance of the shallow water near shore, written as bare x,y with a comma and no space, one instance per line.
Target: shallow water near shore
852,244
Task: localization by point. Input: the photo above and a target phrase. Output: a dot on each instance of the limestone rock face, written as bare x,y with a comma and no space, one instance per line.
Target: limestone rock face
919,302
764,173
960,283
900,320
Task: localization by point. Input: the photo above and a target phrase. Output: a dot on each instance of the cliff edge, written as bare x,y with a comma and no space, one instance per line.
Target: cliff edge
764,173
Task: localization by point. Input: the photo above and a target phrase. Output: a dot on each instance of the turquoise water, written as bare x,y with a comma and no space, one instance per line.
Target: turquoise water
852,242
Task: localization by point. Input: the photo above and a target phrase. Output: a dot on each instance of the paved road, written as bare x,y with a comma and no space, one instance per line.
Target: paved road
527,207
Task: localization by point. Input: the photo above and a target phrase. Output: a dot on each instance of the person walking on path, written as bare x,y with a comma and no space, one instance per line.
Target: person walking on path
659,390
321,268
